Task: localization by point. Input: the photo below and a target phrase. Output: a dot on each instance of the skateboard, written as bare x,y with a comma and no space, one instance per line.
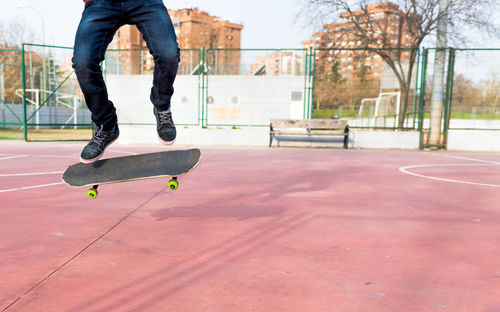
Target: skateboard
171,164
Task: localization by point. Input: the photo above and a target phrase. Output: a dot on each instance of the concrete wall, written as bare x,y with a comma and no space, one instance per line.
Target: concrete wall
130,94
242,100
254,100
259,136
479,140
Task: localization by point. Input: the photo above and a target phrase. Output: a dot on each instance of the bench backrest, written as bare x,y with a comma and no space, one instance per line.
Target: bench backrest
309,123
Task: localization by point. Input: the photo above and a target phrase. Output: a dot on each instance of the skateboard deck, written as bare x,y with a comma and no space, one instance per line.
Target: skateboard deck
129,168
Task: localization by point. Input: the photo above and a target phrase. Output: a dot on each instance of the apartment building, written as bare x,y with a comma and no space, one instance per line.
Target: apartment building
195,29
382,21
278,63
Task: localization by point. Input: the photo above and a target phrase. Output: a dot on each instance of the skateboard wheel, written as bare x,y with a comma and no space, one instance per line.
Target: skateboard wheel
173,184
92,193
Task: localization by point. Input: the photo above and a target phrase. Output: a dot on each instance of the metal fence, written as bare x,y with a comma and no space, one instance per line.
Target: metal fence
11,117
248,87
58,110
214,87
251,86
475,102
471,99
373,88
129,75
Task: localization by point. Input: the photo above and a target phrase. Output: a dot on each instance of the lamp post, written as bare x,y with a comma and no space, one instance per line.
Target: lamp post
44,56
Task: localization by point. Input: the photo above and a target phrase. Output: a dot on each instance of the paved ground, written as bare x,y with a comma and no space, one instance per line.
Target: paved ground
254,230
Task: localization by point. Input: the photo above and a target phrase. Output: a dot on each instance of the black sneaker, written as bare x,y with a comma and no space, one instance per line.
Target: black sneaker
165,126
102,139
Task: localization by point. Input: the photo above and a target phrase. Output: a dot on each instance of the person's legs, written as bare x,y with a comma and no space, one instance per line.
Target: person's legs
100,20
152,19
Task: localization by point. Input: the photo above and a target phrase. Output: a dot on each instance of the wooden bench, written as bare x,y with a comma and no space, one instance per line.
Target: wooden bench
313,127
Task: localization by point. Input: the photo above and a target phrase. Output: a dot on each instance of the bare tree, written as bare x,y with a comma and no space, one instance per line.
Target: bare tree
14,33
416,18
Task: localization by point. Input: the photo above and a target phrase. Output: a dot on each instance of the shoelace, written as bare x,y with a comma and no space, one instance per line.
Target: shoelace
100,136
165,118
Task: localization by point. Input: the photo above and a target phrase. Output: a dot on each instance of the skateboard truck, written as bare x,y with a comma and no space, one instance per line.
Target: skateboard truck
173,184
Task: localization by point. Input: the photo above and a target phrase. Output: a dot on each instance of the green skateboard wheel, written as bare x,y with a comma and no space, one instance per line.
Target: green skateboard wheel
92,193
173,184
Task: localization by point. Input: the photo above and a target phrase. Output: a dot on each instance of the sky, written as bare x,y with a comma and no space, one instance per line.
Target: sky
267,23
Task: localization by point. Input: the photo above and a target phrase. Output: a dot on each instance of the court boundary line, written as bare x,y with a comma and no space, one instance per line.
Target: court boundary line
61,156
29,174
13,156
466,158
30,187
405,170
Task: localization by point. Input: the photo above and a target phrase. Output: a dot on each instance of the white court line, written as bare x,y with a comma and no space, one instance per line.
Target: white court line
406,171
29,174
467,158
77,154
30,187
56,156
13,157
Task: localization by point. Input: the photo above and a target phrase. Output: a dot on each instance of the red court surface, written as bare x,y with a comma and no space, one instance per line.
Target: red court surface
254,230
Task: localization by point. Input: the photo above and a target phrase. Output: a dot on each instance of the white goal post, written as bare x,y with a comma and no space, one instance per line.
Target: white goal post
384,103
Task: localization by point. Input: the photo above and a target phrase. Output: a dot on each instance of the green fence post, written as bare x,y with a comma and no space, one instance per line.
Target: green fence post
202,68
313,77
205,91
423,88
306,79
416,88
23,69
199,86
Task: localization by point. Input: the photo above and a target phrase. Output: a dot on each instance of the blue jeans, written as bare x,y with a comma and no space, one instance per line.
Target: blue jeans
100,21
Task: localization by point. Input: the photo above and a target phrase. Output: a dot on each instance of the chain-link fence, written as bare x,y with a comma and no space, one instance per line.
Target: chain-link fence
469,91
250,87
129,77
373,88
426,91
11,108
475,104
55,107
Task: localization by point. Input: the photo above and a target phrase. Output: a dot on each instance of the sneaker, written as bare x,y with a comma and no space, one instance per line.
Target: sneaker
102,139
165,126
